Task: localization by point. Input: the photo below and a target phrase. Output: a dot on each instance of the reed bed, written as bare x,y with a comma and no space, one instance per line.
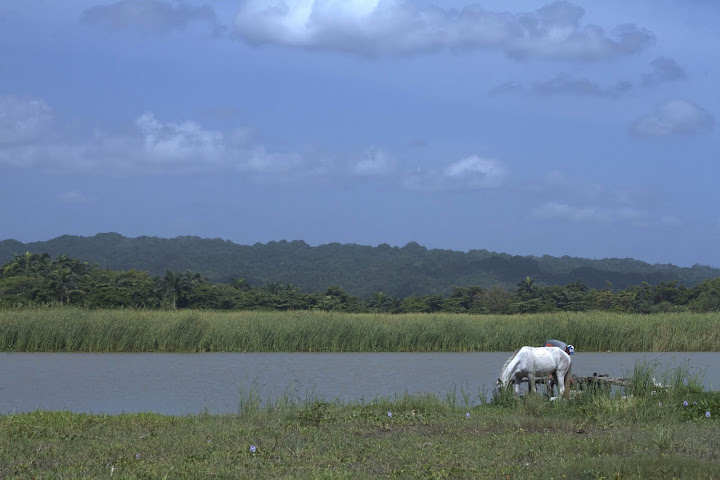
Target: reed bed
78,330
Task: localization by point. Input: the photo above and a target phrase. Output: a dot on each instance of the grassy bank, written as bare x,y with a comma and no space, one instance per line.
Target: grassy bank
67,329
588,436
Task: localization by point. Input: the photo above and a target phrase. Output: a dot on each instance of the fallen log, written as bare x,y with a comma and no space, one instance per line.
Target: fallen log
596,379
582,382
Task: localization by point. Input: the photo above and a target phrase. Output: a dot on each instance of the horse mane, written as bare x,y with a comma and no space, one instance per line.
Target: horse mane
507,362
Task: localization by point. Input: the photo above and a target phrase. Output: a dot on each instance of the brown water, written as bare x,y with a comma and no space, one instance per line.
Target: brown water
178,384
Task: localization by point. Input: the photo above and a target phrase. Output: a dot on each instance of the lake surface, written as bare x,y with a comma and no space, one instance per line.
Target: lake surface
179,384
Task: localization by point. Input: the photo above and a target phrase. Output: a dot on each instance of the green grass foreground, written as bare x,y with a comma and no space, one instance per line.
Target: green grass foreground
590,436
78,330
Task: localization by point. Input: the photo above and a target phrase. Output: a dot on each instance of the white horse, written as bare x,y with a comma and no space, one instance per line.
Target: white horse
537,361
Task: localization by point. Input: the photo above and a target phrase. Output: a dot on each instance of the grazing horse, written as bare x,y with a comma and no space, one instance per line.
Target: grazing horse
537,361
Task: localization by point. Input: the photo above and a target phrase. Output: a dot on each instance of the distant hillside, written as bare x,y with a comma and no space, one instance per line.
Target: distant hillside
357,269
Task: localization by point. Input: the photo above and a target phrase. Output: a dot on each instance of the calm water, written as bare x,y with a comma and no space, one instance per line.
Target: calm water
178,384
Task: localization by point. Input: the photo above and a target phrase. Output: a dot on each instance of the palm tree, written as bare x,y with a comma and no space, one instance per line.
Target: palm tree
526,287
62,281
27,265
170,286
76,266
176,286
240,284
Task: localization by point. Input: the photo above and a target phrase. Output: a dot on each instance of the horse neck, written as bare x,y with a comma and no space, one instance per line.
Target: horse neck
508,368
505,376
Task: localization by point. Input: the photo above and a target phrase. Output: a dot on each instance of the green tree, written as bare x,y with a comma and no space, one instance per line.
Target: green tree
62,281
335,298
240,284
19,290
497,300
176,287
28,264
526,288
705,297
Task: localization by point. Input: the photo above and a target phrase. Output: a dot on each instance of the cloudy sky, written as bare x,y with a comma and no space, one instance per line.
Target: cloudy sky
579,128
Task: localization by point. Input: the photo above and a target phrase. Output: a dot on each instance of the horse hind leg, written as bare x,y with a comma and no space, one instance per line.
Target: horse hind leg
531,383
561,387
564,384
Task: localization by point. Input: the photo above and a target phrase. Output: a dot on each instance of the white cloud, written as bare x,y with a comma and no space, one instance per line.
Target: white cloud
71,197
153,146
567,85
563,198
563,211
149,15
593,214
476,171
663,70
557,210
375,163
50,156
22,119
471,173
179,142
262,162
374,27
506,88
674,117
157,147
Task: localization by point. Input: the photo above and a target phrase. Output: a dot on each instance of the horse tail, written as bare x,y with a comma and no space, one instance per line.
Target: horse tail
568,379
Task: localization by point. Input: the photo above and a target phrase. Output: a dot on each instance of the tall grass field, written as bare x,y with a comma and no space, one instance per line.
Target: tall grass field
78,330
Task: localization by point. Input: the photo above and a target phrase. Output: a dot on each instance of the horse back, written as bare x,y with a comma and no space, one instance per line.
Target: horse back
546,360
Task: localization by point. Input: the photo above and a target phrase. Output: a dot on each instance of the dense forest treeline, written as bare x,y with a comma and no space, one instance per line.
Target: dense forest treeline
411,270
38,279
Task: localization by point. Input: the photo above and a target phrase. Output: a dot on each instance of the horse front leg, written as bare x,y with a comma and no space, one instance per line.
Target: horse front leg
561,386
551,385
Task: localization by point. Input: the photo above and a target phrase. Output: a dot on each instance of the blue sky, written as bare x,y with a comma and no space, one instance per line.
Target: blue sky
578,128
